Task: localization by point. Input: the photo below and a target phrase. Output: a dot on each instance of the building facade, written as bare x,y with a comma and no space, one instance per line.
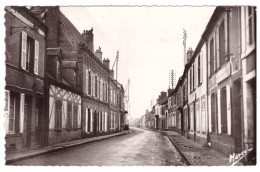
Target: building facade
24,90
248,83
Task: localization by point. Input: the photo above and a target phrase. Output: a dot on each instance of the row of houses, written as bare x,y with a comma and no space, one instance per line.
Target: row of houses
57,88
214,101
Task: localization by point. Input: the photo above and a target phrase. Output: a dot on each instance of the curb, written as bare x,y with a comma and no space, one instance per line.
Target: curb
13,160
183,158
186,162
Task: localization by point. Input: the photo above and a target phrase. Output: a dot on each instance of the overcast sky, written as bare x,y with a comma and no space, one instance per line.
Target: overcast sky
149,40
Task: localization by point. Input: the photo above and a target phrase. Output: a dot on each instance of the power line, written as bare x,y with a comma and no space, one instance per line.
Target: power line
101,32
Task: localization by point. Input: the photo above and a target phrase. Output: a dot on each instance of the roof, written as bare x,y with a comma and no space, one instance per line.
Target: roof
69,64
75,33
54,52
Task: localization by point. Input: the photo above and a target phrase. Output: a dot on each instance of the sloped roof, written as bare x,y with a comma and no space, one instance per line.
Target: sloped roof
75,33
69,64
54,52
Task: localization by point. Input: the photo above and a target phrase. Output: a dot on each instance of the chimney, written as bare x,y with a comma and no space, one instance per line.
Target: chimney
88,36
189,54
112,74
106,63
98,54
51,16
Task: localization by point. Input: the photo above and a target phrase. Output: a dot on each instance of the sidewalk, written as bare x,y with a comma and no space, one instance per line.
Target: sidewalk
195,154
27,153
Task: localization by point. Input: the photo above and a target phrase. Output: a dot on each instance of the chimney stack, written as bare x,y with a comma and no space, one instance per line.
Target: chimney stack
98,54
88,36
189,54
106,63
112,74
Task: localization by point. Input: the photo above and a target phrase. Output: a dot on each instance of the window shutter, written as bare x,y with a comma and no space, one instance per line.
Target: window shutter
79,116
98,84
21,112
7,103
101,89
228,110
86,81
217,48
36,56
226,38
91,120
105,121
219,112
86,125
201,67
24,49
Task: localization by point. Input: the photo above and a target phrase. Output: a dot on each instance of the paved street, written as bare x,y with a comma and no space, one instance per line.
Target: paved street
140,147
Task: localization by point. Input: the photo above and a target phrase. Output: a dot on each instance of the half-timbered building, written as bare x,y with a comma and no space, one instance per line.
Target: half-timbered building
63,98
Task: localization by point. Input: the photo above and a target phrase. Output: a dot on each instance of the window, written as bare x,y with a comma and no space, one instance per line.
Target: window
212,56
96,86
58,115
36,57
199,79
12,110
101,89
88,116
222,43
29,54
191,118
190,80
203,117
223,107
198,117
214,116
193,77
93,84
105,121
89,83
111,119
58,69
75,116
250,25
106,92
69,116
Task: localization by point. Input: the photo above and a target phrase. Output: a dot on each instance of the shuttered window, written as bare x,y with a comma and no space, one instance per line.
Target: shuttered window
214,117
22,99
212,56
222,43
75,116
69,116
223,110
36,57
24,50
58,115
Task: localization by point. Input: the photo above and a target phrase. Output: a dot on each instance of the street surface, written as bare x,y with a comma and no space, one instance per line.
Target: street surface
138,148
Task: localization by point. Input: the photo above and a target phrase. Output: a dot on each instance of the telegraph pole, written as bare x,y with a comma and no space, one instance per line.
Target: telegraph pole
184,44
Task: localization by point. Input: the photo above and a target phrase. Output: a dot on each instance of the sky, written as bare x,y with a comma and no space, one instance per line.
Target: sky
149,40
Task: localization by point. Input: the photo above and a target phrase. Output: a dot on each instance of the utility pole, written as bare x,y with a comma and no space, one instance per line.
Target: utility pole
116,61
184,44
117,57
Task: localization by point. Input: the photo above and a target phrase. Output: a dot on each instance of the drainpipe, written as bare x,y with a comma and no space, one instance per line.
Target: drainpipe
208,144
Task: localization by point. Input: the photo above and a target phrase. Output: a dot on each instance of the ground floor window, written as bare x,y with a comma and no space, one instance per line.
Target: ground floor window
75,116
58,115
191,118
198,121
69,116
